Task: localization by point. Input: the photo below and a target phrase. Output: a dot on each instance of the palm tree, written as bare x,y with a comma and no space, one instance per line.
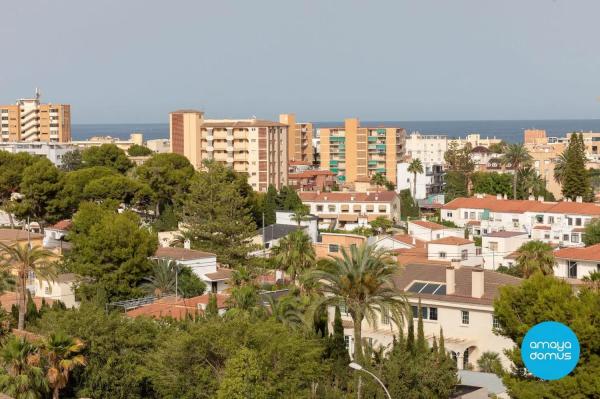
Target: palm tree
535,256
517,156
163,279
25,259
531,181
593,280
560,165
489,362
62,354
295,253
286,310
23,378
361,279
415,167
300,214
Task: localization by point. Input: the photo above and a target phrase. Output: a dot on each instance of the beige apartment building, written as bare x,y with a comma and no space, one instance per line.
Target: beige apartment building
300,135
357,153
30,120
252,146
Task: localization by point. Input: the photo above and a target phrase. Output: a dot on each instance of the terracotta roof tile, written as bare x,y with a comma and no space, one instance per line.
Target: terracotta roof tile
168,307
65,224
451,241
382,196
505,234
428,225
181,253
17,235
521,206
220,275
407,239
588,253
307,174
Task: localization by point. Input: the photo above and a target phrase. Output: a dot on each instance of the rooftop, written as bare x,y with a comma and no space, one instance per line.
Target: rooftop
428,225
307,174
505,234
494,204
277,231
240,123
588,253
381,196
18,235
451,241
410,240
65,224
181,254
177,309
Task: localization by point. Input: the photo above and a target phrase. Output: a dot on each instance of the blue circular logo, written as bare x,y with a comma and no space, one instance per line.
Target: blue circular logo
550,350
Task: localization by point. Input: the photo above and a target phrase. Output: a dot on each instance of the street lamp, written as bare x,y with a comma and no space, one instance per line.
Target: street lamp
356,366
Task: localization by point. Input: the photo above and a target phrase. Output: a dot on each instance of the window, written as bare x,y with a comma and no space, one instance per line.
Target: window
331,208
442,255
539,218
433,314
565,237
569,221
472,215
347,341
319,208
385,316
546,236
574,237
48,290
449,214
578,222
334,248
572,265
598,267
464,254
464,317
495,322
550,219
466,215
427,313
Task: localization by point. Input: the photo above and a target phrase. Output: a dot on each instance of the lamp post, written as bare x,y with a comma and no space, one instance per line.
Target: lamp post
356,366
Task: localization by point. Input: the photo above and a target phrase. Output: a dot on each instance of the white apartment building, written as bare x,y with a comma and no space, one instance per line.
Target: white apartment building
577,263
430,149
430,182
349,210
53,151
425,230
457,299
474,140
454,248
559,223
498,248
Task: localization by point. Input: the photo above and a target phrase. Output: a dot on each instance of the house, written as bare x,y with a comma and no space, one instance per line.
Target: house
178,308
331,244
54,236
498,247
425,230
309,222
448,248
13,236
396,242
269,236
429,183
203,264
559,223
59,289
312,180
349,210
577,263
459,299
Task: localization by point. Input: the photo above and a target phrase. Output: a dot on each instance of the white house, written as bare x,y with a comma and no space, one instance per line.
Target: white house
559,223
454,248
457,299
577,262
425,230
203,264
498,247
394,242
429,182
60,289
309,222
54,236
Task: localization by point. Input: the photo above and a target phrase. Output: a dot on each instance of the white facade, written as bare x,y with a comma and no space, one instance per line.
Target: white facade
61,289
311,223
53,151
430,149
202,266
159,145
577,263
496,248
429,231
467,253
406,181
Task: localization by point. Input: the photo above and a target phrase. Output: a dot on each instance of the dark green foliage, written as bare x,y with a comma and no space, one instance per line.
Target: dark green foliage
288,199
217,213
111,250
492,183
137,150
71,161
189,284
32,313
270,205
120,188
575,178
460,167
106,155
212,310
455,185
489,362
408,207
497,148
12,167
541,298
592,233
39,187
167,221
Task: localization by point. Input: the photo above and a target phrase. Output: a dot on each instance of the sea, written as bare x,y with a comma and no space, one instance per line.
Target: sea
508,130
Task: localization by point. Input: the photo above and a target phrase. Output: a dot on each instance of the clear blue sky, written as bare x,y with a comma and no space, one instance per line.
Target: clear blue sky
118,61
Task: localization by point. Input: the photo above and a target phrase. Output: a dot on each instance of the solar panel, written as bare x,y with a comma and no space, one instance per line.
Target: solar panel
441,290
416,287
429,288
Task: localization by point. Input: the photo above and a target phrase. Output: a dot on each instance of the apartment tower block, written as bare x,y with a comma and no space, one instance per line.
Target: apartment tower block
255,147
30,120
300,137
357,153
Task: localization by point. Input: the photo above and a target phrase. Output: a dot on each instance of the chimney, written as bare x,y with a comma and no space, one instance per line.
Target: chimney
450,280
477,282
505,196
498,196
531,198
455,263
579,198
540,198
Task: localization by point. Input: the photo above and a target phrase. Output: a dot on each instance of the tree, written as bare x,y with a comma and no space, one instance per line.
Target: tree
294,253
535,256
575,177
12,167
270,205
591,236
212,310
408,207
162,280
489,362
217,214
378,179
540,298
455,185
168,176
459,164
120,188
492,183
415,167
106,155
497,148
336,351
516,156
242,377
24,260
39,187
381,224
62,354
71,161
137,150
288,199
560,166
361,279
23,378
110,250
189,283
300,214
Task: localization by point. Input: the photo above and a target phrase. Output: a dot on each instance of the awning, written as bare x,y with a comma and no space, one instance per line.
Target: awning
370,207
350,217
356,208
327,216
345,207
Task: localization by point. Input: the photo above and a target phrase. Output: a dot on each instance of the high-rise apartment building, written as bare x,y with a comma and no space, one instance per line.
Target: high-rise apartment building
429,148
252,146
30,120
300,137
354,152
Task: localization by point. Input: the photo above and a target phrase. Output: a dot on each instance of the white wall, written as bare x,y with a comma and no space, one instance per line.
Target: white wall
495,258
584,268
436,251
426,234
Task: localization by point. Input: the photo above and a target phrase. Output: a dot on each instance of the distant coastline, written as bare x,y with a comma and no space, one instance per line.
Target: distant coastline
508,130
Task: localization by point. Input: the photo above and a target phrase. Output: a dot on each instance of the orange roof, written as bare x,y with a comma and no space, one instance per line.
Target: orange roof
416,255
451,241
299,163
588,253
182,253
542,228
168,307
521,206
63,225
407,239
307,174
220,275
428,225
382,196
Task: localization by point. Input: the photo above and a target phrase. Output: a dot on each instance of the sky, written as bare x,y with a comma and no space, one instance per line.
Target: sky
134,61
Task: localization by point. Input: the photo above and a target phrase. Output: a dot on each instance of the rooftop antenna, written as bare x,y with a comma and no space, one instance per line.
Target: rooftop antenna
37,93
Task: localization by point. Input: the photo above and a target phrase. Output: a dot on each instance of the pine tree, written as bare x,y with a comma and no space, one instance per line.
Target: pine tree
434,346
212,309
270,205
32,312
421,343
410,337
576,178
442,350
